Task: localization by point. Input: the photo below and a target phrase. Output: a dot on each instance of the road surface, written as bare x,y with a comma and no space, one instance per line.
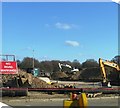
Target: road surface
101,101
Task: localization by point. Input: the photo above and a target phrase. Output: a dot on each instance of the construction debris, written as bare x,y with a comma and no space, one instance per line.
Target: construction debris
59,76
24,80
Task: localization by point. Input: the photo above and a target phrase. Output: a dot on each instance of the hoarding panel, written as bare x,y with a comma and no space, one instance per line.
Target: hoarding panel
8,67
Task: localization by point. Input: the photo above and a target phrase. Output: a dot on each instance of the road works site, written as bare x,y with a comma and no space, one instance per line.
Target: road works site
37,98
26,90
20,88
37,91
56,95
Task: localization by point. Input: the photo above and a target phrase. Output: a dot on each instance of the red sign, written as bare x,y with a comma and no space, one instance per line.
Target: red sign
8,67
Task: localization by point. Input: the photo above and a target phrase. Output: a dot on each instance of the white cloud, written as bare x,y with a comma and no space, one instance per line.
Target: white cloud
117,1
72,43
64,26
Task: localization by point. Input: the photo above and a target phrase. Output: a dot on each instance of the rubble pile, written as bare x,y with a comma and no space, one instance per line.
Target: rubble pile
7,80
23,79
86,74
37,83
75,76
91,74
59,76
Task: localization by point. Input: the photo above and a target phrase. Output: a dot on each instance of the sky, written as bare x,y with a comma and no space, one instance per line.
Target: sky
60,30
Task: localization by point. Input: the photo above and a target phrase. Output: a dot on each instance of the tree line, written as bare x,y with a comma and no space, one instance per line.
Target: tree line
52,66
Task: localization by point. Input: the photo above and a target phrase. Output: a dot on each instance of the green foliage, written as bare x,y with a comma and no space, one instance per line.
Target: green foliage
52,66
90,63
76,64
91,74
89,70
116,59
27,62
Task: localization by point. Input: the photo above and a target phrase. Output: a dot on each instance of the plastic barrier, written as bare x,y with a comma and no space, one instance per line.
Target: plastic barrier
76,101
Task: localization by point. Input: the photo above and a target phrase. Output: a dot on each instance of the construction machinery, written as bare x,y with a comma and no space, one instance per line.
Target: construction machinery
104,63
68,66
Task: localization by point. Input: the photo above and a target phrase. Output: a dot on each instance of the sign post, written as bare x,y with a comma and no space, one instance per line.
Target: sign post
8,67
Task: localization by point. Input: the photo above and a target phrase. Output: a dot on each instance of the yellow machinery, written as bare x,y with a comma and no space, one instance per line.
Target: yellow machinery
104,63
76,101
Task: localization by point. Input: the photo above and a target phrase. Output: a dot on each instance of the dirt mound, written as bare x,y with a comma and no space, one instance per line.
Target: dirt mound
59,76
91,74
37,83
74,76
23,79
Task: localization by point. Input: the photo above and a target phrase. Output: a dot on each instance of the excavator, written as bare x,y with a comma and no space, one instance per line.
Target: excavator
104,63
68,66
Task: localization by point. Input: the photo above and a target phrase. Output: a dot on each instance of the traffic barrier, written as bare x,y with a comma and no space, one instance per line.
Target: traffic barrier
76,101
83,102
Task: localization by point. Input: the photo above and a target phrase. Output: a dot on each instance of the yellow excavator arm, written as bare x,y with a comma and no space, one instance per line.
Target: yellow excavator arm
104,63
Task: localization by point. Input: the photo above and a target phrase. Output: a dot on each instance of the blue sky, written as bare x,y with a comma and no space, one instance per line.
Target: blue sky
60,31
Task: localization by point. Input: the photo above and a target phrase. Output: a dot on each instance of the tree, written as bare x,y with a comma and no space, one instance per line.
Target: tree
116,59
18,63
46,66
55,65
90,63
27,62
76,64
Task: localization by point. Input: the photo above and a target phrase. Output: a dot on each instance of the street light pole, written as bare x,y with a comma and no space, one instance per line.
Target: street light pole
33,60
